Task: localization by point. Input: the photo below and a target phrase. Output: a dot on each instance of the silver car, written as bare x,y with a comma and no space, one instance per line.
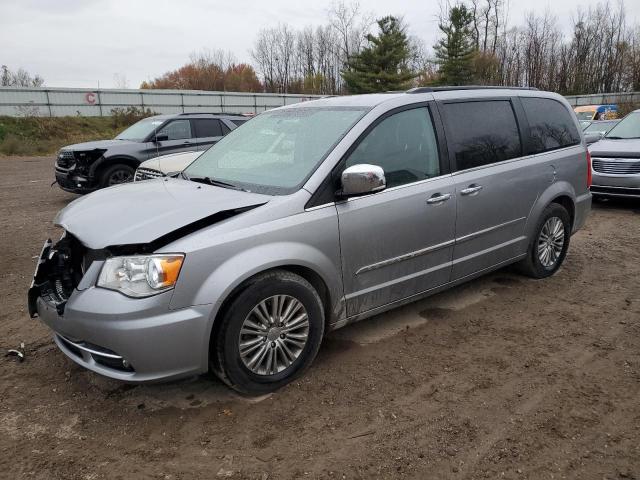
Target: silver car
616,160
308,218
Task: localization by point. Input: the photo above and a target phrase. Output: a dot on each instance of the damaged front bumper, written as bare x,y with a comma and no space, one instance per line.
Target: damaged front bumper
73,170
130,339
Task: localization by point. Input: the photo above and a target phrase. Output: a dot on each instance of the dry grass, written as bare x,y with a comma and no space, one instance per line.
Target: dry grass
45,135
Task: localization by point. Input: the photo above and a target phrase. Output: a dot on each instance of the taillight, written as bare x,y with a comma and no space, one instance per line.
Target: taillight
588,169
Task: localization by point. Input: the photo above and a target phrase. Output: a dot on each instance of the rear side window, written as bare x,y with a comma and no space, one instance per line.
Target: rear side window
404,145
207,127
550,123
482,133
238,122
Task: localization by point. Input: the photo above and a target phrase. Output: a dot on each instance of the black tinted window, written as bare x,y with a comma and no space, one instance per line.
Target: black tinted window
551,124
238,122
404,145
482,132
207,127
176,130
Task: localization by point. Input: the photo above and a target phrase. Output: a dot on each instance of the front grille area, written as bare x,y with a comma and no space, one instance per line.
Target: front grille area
66,159
616,166
59,273
147,174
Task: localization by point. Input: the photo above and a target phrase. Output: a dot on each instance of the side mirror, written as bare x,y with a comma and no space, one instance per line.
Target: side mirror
161,138
362,179
593,137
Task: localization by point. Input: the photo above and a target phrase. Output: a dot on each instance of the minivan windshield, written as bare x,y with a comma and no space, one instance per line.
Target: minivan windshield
276,151
629,127
140,130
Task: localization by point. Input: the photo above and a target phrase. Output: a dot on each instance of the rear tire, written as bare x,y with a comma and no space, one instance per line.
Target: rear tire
548,247
259,345
116,174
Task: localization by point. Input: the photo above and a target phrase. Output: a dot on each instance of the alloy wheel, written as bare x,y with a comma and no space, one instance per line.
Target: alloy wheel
273,335
551,242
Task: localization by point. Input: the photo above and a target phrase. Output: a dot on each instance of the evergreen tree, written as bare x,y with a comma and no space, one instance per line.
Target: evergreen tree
383,65
455,52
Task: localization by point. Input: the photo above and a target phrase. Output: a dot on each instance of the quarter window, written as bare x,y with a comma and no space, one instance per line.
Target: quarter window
207,127
177,130
404,145
550,123
482,133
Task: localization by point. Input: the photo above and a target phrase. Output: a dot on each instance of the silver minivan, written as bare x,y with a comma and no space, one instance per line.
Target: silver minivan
308,218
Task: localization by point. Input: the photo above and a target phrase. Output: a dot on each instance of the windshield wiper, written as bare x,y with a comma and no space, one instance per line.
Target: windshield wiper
213,181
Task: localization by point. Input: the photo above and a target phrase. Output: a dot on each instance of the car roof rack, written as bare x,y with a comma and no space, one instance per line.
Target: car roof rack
226,114
465,87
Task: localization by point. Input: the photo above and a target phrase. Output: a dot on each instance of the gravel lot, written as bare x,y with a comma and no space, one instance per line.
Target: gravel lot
504,377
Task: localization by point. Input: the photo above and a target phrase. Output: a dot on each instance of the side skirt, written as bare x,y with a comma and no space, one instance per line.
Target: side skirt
419,296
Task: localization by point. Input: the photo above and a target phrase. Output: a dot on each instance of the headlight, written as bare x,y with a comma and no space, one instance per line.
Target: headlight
141,275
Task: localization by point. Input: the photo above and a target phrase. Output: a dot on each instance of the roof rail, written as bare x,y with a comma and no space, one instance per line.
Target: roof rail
226,114
465,87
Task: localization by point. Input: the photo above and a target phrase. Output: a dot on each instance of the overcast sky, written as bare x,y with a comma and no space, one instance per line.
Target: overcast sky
80,43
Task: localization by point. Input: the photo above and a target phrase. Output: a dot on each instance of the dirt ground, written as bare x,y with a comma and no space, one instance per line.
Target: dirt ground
504,377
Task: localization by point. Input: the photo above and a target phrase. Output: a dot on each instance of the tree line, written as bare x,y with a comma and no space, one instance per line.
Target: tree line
355,53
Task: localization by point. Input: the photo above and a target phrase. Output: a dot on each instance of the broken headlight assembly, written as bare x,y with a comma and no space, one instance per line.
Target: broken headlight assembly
141,275
83,159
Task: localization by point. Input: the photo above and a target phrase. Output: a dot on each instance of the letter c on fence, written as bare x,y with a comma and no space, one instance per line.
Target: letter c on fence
90,98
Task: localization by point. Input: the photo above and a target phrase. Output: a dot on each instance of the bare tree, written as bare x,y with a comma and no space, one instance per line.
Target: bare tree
19,78
120,81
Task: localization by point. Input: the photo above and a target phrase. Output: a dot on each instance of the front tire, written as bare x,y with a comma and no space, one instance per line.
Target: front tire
270,333
116,174
549,245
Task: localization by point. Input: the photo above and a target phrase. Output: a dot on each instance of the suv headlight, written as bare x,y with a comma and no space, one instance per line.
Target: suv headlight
141,275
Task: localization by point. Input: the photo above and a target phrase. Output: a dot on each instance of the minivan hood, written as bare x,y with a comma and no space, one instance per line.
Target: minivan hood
141,212
104,144
611,148
176,162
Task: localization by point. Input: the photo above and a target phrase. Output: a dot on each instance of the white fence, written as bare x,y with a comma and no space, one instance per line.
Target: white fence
58,102
603,98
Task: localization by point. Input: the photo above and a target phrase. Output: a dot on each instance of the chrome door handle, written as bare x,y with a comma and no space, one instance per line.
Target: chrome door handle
438,198
471,189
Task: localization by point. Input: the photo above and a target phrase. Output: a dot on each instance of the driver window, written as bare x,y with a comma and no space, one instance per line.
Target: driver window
404,145
176,130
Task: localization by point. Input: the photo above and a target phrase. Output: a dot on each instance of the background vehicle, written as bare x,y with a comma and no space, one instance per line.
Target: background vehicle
595,130
616,160
165,164
85,167
596,112
308,218
599,126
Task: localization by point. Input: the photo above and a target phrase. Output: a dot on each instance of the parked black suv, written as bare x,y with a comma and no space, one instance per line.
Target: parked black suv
85,167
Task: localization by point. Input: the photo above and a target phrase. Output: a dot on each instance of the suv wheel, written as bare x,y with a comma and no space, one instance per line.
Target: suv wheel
270,333
548,247
116,175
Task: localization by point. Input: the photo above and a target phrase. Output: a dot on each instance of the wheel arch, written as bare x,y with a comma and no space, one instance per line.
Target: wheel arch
309,274
101,165
562,193
569,205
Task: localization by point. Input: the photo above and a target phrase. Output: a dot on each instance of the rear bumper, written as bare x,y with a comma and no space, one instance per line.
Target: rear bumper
135,340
